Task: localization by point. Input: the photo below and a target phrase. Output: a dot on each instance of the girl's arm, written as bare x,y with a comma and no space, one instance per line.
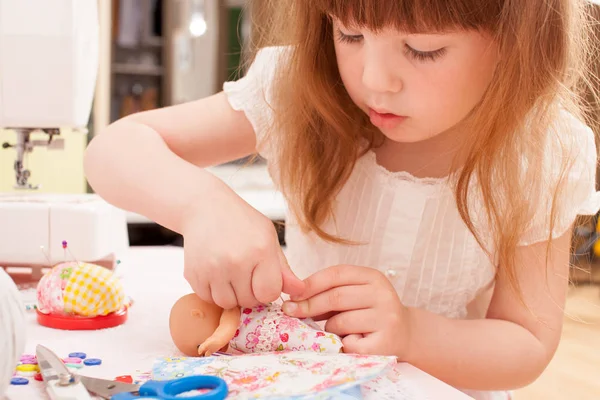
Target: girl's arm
148,162
514,344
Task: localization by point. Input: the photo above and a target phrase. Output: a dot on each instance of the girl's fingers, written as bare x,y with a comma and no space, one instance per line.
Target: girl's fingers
242,286
292,285
325,317
352,343
223,295
342,298
352,322
369,343
267,281
202,290
332,277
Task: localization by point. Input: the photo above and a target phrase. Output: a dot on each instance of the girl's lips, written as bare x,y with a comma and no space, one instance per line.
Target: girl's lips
385,120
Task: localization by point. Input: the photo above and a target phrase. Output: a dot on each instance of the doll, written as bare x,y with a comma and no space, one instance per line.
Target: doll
201,328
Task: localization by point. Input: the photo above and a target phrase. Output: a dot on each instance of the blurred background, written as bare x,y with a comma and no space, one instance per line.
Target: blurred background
152,53
155,53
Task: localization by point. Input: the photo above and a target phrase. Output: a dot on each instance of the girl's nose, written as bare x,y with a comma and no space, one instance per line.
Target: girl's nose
381,72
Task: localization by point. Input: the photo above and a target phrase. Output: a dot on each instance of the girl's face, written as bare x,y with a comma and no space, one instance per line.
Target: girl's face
414,86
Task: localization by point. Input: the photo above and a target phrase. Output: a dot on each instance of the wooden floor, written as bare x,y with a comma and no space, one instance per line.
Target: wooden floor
574,374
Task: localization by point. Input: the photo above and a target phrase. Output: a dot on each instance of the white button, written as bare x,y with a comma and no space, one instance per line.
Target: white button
391,273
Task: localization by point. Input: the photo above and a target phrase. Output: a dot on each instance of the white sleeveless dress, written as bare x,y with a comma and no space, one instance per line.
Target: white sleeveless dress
412,226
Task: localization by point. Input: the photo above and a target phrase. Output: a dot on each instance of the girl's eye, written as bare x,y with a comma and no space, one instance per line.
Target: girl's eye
345,38
425,55
410,52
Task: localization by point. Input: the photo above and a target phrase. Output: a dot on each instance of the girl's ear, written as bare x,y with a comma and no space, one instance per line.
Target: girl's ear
197,313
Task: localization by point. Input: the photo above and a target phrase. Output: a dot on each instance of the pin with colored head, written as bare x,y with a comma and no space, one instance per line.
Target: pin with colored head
65,248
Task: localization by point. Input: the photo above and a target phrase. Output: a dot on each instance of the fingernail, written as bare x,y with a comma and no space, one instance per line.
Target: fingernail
289,307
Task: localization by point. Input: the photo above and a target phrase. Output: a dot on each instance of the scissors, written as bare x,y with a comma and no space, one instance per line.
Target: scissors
61,384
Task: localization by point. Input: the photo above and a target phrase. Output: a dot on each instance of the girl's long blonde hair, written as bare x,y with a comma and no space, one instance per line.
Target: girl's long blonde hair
544,52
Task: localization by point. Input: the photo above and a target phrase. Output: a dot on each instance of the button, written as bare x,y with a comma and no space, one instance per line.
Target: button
391,273
28,357
124,378
92,361
25,373
27,368
72,360
19,381
76,366
38,377
78,355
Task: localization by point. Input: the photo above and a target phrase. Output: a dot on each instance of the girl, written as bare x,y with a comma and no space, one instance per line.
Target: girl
433,157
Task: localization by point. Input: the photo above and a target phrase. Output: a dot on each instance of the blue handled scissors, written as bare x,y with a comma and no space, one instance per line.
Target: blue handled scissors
61,384
162,390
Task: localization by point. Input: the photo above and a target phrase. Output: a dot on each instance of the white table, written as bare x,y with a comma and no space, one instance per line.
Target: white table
153,278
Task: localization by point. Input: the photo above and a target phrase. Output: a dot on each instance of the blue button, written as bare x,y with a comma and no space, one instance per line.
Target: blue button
92,361
19,381
78,355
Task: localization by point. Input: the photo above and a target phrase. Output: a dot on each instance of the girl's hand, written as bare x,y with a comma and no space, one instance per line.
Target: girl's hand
232,254
362,306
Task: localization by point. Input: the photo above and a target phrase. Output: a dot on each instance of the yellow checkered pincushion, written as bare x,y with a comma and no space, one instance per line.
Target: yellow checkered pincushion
82,289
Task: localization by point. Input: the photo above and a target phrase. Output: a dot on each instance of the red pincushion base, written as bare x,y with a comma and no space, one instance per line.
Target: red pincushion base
75,323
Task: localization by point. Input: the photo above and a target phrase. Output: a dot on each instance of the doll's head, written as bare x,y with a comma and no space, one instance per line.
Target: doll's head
192,321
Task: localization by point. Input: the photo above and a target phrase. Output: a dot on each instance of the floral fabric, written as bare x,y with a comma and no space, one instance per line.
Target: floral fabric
282,375
266,329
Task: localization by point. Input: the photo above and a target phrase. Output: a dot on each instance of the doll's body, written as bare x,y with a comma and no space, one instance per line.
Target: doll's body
199,328
267,328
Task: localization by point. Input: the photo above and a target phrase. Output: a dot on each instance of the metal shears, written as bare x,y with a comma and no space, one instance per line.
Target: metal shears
61,384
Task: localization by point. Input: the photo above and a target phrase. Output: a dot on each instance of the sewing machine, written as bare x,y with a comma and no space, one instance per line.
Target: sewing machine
48,68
